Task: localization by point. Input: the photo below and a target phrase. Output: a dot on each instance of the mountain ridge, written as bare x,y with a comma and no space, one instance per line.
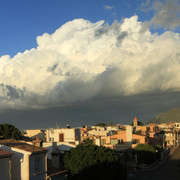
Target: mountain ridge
172,115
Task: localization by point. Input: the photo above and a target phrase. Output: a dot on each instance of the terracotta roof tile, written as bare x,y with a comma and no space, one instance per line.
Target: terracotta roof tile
22,145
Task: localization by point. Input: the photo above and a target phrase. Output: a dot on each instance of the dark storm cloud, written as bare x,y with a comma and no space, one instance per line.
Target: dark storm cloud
118,110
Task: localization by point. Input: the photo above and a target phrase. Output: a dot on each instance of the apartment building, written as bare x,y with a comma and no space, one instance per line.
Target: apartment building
28,162
69,135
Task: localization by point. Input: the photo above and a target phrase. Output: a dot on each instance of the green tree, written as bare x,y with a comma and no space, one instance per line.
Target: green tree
101,124
140,123
88,141
111,123
93,162
9,131
145,154
145,147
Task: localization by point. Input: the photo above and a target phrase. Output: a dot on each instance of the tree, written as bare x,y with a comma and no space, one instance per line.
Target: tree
88,141
101,124
9,131
140,123
145,147
111,123
145,154
93,162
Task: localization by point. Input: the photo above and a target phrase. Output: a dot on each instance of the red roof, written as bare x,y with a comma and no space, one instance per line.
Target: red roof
135,118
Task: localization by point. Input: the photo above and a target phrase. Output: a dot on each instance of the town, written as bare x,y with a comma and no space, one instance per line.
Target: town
39,154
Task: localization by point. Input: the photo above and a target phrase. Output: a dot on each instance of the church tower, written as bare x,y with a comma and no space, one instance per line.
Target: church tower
135,122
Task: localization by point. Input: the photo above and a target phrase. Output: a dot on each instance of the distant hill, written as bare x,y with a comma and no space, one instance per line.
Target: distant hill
172,115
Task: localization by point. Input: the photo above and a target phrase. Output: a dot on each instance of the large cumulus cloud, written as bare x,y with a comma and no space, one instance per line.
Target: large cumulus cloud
83,60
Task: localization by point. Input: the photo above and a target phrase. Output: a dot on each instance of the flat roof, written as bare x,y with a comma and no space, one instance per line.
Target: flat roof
22,145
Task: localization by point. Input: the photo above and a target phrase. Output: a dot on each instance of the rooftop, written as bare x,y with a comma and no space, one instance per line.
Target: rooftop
22,145
4,153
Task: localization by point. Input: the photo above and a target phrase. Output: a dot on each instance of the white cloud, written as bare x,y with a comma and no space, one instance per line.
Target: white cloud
83,60
107,7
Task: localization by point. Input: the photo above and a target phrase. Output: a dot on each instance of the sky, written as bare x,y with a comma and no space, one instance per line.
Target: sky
83,62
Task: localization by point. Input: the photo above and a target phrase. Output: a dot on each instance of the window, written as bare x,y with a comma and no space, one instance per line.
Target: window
37,164
136,141
51,139
103,141
61,137
120,141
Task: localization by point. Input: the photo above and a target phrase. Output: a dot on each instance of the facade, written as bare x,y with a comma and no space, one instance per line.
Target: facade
170,138
141,129
84,133
5,165
177,125
31,132
28,162
114,127
68,135
139,139
99,131
57,146
153,128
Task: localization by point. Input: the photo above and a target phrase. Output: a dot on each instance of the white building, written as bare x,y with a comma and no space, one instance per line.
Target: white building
28,162
99,131
116,127
68,135
129,136
32,132
57,147
5,165
177,125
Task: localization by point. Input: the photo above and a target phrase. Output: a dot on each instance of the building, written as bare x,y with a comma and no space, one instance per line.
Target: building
32,132
99,131
57,146
153,128
170,138
68,135
28,162
116,127
177,125
5,164
84,132
123,139
135,122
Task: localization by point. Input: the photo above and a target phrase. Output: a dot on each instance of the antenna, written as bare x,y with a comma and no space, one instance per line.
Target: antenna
57,125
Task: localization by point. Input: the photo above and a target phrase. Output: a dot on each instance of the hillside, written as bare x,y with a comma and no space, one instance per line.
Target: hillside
172,115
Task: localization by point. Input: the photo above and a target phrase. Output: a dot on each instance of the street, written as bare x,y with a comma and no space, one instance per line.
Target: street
170,170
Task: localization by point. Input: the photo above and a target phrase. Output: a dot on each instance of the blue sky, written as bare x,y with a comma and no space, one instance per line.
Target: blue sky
21,21
60,62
